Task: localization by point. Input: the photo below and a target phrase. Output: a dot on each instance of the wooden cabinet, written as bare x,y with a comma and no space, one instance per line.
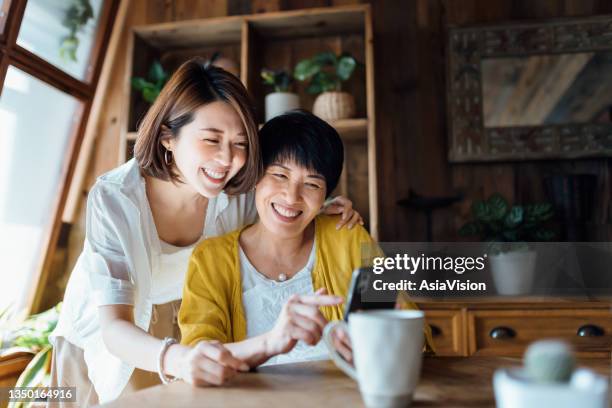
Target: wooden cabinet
447,332
277,40
506,329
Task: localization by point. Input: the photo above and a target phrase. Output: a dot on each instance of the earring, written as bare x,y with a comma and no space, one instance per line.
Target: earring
168,157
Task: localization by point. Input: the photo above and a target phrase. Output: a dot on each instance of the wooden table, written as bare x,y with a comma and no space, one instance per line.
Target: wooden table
445,382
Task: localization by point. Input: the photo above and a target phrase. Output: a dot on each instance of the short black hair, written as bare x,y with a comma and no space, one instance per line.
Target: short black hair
299,136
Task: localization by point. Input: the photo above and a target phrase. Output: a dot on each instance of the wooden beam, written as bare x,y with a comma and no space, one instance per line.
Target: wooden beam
92,124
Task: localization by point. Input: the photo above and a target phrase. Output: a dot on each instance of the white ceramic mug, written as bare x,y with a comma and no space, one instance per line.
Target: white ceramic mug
387,351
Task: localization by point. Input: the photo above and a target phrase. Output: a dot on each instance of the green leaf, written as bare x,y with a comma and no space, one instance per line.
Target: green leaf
325,58
321,82
470,229
306,69
498,206
539,212
35,370
346,66
282,80
150,94
268,76
514,217
139,83
314,88
480,211
157,73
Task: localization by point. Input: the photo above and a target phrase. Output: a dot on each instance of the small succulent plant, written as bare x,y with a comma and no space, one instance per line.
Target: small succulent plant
549,361
280,80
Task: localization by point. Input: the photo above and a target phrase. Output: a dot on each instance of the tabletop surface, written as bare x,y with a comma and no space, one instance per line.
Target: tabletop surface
445,382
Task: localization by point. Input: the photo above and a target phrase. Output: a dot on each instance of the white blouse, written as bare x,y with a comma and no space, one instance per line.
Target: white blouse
263,300
121,253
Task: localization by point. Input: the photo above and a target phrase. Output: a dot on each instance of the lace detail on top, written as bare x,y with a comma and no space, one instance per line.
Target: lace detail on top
263,300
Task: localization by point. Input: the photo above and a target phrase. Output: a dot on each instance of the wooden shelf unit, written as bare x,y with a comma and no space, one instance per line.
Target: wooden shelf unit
274,40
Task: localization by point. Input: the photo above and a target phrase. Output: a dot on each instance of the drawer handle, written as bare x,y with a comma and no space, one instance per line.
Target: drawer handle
590,330
502,333
435,330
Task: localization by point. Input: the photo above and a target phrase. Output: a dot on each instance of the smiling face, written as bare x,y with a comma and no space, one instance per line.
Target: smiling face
288,197
211,149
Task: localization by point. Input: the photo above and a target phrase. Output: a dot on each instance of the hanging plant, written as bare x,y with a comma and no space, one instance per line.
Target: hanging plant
77,16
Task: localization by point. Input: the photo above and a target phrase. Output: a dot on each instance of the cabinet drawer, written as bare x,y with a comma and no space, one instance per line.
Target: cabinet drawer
447,329
508,332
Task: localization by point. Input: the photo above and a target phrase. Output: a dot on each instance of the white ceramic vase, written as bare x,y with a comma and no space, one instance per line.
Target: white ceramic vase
513,272
278,103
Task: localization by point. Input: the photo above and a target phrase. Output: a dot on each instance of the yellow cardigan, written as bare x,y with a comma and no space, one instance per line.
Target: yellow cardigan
212,307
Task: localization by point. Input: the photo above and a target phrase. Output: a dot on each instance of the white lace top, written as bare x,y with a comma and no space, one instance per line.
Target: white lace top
263,300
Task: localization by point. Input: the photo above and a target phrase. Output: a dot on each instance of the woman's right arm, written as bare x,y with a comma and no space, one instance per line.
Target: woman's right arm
205,363
113,292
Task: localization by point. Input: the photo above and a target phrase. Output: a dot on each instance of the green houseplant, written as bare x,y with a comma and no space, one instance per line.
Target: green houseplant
31,335
151,86
508,230
326,72
281,100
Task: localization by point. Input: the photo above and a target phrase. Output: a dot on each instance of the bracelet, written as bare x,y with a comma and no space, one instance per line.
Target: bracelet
167,342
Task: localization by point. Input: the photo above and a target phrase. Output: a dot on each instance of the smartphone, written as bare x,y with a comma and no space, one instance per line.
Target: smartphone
361,284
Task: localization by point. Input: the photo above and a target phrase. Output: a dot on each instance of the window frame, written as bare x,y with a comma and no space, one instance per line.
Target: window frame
12,54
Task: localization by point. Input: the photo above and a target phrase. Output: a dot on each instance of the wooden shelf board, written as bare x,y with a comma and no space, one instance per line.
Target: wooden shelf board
131,136
227,30
306,23
193,33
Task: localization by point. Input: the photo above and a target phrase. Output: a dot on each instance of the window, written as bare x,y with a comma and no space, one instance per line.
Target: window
50,59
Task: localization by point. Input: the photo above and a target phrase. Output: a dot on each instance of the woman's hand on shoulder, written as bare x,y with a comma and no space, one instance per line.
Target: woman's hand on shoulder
206,363
344,206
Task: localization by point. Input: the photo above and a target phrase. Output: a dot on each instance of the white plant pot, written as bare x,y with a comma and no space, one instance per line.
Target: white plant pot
585,389
278,103
513,272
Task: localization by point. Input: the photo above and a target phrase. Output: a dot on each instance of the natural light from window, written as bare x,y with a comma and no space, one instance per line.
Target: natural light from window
37,121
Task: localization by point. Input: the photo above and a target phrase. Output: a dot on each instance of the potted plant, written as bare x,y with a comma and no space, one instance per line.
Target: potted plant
153,84
326,72
549,379
32,336
281,100
509,229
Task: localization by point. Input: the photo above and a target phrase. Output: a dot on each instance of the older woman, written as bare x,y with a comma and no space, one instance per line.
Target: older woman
270,288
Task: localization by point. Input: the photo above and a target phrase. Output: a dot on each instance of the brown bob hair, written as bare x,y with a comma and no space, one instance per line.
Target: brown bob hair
193,84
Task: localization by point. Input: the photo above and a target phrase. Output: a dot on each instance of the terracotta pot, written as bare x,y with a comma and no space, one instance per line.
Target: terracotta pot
334,105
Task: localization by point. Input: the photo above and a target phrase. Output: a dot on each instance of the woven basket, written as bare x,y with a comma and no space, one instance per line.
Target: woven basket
334,105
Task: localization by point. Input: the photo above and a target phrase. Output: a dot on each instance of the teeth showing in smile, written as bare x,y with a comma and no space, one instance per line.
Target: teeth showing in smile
285,212
214,174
